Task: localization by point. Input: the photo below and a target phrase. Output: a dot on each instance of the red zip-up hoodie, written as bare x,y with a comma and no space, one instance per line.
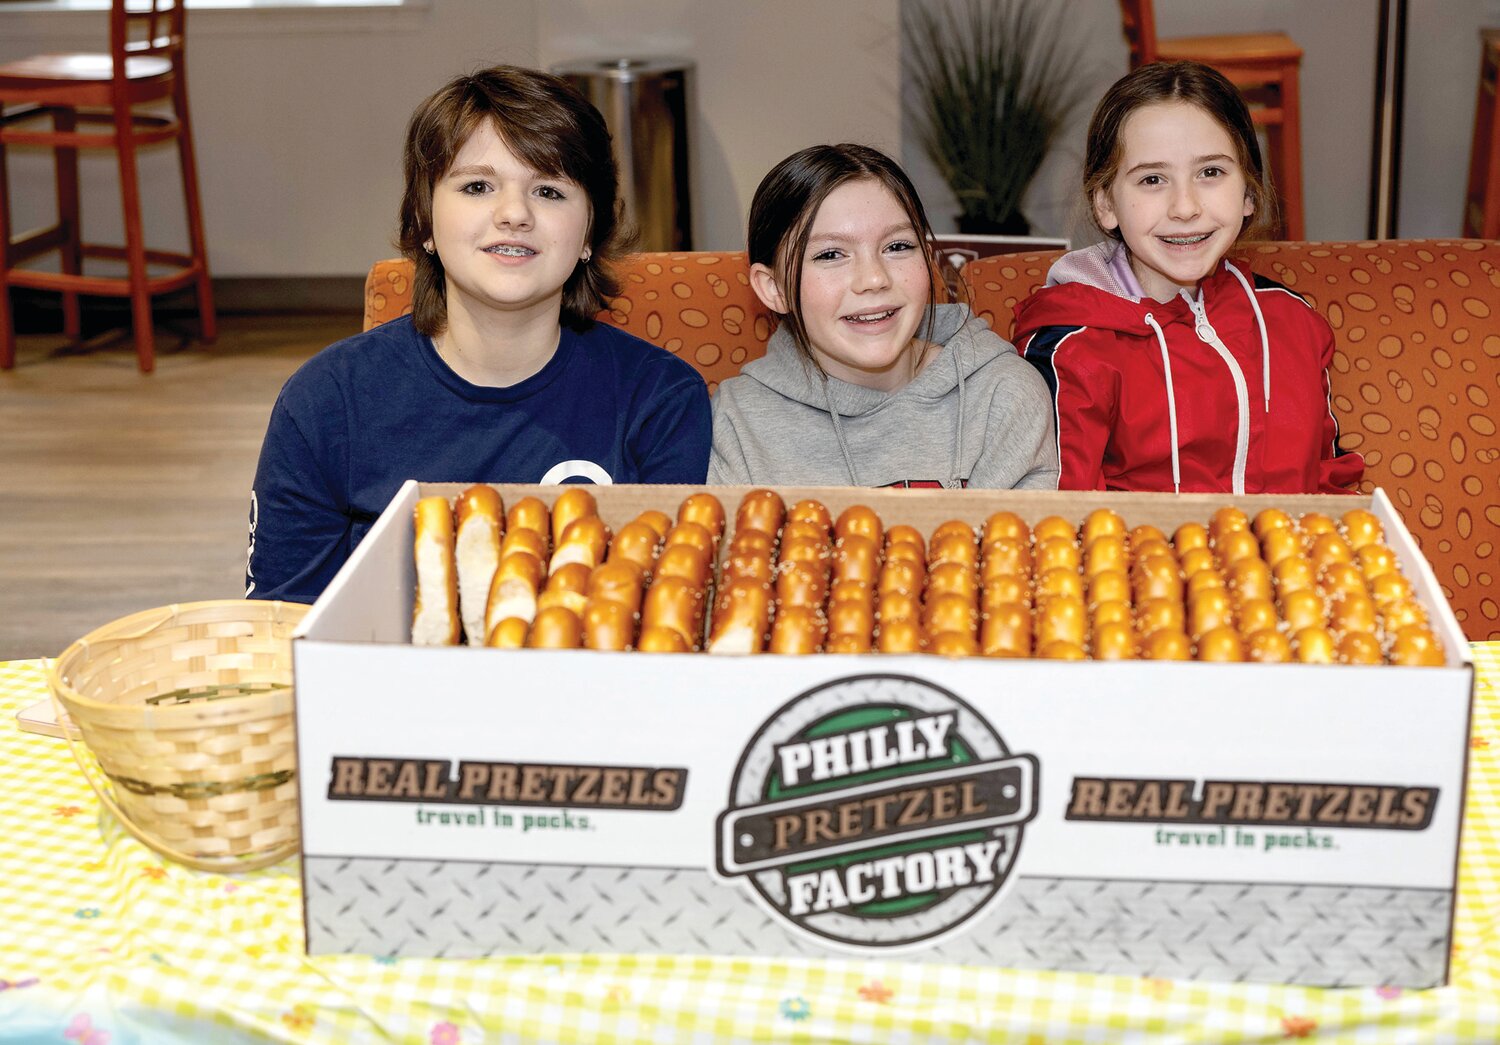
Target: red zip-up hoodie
1225,392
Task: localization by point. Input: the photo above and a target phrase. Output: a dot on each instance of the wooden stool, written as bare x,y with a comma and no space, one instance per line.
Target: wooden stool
75,89
1265,67
1482,202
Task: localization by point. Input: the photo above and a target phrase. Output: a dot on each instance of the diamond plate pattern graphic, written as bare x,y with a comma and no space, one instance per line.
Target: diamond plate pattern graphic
1333,936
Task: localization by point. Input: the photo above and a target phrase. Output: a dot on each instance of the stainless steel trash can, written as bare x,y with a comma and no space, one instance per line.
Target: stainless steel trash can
645,104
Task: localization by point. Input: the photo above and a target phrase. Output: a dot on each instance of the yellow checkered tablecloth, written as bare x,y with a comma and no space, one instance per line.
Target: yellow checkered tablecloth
104,943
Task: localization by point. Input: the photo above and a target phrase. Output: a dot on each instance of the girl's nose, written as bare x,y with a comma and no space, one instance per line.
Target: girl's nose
512,207
870,273
1184,203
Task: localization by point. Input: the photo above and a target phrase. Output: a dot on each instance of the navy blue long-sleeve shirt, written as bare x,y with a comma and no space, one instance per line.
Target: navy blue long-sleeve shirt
366,414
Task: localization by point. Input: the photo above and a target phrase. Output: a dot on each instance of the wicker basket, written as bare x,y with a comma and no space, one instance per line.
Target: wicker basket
187,711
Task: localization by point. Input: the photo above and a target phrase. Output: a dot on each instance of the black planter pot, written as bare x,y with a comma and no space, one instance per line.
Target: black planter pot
1013,225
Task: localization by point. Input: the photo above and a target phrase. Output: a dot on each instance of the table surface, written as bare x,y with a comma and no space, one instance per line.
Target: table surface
102,942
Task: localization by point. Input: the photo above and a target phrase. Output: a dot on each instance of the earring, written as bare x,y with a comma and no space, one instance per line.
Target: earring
429,248
587,254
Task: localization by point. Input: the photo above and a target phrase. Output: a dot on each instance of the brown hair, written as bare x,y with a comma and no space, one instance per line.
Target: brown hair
787,201
549,126
1166,82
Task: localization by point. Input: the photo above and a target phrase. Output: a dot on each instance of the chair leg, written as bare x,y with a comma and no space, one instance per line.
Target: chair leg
1287,142
135,246
65,162
1481,217
7,321
1270,151
207,321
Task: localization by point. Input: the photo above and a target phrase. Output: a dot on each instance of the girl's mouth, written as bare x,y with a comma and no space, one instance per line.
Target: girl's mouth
510,250
1185,241
871,317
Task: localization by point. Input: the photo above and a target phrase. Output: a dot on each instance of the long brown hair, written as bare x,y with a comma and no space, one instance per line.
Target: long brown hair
787,201
1166,82
550,127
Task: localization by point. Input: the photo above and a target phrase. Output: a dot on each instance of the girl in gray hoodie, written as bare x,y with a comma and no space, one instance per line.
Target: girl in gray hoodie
867,382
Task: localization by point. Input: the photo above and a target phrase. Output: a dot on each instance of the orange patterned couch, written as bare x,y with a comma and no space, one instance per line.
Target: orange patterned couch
1417,367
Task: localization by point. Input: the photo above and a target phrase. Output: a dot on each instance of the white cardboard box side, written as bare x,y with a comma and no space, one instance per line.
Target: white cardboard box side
363,691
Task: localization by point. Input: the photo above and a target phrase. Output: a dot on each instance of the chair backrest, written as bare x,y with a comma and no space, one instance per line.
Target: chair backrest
145,27
696,304
1139,23
1415,375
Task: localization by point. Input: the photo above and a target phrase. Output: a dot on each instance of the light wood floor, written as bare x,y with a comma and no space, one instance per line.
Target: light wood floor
120,492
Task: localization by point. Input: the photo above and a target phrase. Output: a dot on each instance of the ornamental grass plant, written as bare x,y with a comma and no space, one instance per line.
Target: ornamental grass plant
996,80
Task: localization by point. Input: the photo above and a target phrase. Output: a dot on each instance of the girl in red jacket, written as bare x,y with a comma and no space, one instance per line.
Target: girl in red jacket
1173,368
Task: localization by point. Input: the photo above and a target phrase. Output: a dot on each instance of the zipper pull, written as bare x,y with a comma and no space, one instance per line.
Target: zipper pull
1201,326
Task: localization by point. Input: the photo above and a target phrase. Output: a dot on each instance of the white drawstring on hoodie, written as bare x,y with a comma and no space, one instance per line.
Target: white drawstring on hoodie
1166,364
838,431
1260,321
958,445
955,455
1209,336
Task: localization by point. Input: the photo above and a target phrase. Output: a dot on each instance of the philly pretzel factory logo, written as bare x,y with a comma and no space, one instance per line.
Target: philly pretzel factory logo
876,812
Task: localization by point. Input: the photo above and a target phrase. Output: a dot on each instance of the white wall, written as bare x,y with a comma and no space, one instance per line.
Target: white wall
299,116
1442,82
300,113
772,77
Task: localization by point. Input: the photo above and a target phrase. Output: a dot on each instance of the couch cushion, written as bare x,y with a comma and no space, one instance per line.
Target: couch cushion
698,305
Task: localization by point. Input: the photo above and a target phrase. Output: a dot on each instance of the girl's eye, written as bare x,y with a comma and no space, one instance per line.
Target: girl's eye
1152,179
901,246
474,188
548,192
1213,172
826,255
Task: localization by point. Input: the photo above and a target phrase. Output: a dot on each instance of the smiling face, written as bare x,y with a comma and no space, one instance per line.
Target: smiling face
1179,197
508,237
865,287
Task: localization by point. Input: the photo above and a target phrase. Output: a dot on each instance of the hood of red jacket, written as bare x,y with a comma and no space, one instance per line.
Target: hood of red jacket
1081,291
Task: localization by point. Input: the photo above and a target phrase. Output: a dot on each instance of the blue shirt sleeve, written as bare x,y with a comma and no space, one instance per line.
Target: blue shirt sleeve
671,440
300,529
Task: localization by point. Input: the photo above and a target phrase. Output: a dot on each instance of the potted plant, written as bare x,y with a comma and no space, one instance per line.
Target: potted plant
995,81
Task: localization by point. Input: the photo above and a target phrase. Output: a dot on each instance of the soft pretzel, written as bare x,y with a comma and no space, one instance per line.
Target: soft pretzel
480,517
434,620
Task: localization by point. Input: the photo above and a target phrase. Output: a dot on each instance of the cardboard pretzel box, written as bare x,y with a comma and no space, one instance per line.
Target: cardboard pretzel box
1261,822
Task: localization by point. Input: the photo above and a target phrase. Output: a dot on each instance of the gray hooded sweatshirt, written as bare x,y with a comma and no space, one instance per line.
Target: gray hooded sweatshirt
977,415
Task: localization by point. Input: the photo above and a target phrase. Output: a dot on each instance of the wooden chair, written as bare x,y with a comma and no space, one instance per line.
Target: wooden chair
1482,202
1265,67
145,64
